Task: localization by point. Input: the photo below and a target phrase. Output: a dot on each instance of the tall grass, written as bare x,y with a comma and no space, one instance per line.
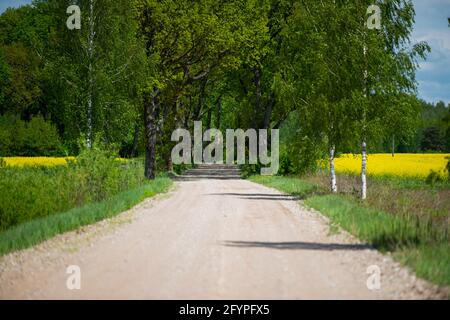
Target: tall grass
34,192
35,231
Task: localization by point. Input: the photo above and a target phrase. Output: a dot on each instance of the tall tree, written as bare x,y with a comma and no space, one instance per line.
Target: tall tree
186,42
93,74
389,47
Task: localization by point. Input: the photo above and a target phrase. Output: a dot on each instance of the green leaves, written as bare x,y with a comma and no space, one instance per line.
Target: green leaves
34,138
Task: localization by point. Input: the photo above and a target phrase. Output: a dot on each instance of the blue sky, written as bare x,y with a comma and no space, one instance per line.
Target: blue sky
12,3
431,26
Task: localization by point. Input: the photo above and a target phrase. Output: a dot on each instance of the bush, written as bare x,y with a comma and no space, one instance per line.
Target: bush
33,192
286,165
433,178
248,170
34,138
181,168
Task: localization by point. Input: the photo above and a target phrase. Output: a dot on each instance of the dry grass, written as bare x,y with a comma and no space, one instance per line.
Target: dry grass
408,198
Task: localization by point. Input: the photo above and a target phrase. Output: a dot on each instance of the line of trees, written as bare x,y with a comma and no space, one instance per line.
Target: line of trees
138,69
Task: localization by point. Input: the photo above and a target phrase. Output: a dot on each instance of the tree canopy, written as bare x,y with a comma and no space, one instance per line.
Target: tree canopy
137,70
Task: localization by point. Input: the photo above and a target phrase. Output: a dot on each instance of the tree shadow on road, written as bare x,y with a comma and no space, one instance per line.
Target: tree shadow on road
259,196
296,245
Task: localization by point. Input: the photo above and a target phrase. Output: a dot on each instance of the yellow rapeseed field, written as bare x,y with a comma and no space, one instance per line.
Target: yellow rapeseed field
36,161
402,164
40,161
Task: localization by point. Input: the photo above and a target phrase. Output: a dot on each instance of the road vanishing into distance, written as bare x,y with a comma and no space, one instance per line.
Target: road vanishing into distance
213,236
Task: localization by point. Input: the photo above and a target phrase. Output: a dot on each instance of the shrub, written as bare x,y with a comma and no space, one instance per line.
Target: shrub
180,168
37,137
41,138
33,192
286,165
433,178
248,170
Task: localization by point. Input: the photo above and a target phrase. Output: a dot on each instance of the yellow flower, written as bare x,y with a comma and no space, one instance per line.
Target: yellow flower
42,161
36,161
402,164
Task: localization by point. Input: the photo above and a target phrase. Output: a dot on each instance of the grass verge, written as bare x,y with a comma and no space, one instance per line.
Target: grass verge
35,231
412,239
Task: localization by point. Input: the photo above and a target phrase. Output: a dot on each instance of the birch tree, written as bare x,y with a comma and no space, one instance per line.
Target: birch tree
93,73
321,72
388,67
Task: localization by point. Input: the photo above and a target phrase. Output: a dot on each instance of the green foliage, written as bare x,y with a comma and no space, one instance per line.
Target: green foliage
348,84
432,140
231,64
433,178
248,170
22,91
5,74
180,168
30,193
286,164
55,73
299,150
37,137
433,132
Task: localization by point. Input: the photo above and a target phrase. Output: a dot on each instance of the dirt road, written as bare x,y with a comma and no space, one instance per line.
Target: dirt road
208,239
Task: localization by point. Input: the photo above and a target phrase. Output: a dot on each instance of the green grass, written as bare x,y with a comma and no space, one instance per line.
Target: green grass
416,240
35,231
35,192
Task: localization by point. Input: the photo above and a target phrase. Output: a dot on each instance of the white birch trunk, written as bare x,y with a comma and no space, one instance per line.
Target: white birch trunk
333,183
89,135
364,144
363,170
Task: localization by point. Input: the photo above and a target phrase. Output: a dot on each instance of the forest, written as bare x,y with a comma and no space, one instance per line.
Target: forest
136,70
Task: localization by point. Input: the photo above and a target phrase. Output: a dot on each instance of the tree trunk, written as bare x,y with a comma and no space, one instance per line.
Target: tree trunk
209,118
169,163
333,183
364,144
393,145
201,100
219,113
363,171
258,96
151,109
